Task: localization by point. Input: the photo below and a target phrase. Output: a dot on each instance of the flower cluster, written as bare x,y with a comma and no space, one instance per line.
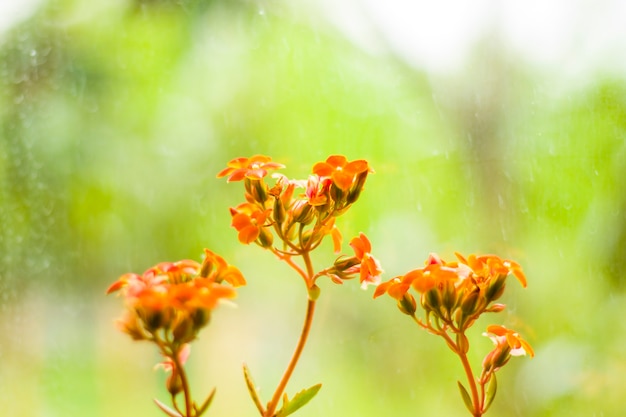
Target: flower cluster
301,221
453,296
293,224
168,305
172,301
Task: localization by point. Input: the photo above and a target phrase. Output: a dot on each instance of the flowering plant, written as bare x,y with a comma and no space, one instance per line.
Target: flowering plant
168,305
453,296
291,226
171,302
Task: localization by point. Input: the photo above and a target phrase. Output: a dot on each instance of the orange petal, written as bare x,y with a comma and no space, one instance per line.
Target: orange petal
323,169
249,234
343,179
337,160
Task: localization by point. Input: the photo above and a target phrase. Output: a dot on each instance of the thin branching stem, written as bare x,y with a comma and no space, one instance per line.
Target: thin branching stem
470,379
271,407
306,327
184,382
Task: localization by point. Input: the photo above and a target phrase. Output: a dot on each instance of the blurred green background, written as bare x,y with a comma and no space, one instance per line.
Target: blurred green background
115,117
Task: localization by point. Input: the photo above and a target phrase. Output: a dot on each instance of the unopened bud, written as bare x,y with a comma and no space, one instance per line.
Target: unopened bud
469,302
174,383
495,288
407,304
338,195
344,263
152,319
357,187
259,190
200,318
496,308
279,212
303,212
266,239
431,301
449,297
502,356
184,331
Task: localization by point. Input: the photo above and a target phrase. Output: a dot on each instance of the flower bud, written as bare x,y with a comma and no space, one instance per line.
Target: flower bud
256,189
495,288
279,212
259,190
265,239
200,318
152,319
469,302
357,187
174,383
449,298
496,308
343,263
303,212
337,194
407,304
501,357
184,331
431,300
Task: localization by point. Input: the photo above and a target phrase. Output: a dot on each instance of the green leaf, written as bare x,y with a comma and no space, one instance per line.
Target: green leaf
205,405
252,389
299,400
466,397
166,409
491,392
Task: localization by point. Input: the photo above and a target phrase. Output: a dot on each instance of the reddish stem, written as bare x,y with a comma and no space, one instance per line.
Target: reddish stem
271,407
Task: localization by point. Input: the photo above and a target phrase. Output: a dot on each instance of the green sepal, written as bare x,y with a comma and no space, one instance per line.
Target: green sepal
166,409
205,405
491,392
298,401
252,389
466,397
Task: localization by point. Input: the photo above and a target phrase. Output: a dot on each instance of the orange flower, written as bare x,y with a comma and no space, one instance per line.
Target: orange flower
396,287
176,297
254,168
369,269
215,268
201,293
434,274
486,267
248,219
342,172
156,276
500,335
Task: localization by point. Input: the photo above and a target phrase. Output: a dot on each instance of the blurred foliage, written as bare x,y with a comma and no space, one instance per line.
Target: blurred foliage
116,116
